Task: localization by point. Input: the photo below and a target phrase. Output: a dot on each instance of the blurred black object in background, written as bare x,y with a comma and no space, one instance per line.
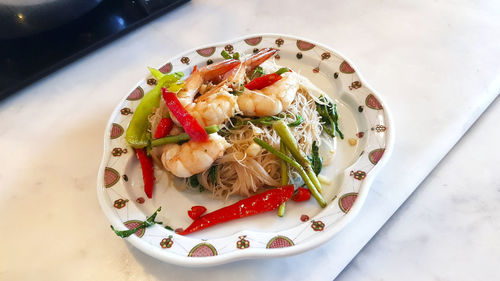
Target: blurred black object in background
19,18
24,60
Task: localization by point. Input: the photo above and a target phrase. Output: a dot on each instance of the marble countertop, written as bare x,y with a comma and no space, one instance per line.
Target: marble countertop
436,63
449,228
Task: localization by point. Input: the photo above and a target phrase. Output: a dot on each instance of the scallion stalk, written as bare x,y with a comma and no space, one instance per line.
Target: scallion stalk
182,137
284,179
297,166
291,144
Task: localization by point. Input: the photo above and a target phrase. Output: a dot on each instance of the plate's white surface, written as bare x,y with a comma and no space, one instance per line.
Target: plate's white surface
364,118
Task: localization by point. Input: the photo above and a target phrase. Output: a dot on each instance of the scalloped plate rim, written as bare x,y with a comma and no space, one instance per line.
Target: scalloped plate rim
250,253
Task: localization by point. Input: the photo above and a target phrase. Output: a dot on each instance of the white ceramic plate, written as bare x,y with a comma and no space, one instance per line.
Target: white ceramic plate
363,117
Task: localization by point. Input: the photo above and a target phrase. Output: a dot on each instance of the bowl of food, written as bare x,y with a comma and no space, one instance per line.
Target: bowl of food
262,146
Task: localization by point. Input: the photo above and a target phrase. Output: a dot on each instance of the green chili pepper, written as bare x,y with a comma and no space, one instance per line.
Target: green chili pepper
137,134
156,73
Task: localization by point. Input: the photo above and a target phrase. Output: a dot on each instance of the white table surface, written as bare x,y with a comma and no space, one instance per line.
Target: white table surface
436,64
449,228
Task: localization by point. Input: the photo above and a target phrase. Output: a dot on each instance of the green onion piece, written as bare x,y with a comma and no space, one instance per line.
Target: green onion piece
282,70
297,122
297,166
147,223
225,55
291,144
284,179
236,56
182,137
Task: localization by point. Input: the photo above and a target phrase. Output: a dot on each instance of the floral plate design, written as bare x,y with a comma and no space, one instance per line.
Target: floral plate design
368,142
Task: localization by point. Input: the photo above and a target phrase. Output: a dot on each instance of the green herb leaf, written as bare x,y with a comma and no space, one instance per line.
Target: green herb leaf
212,174
282,70
327,111
236,56
297,122
336,122
316,160
147,223
225,54
193,181
237,89
258,72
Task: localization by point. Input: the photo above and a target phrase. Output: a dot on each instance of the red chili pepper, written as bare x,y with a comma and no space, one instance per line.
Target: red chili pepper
196,212
163,128
148,175
188,122
260,203
301,194
263,81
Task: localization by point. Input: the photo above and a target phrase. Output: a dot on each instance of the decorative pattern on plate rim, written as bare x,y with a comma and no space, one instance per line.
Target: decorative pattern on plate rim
125,212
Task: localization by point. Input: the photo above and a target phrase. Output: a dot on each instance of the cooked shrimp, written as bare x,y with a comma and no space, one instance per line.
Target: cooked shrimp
210,73
237,75
193,157
214,107
270,100
217,105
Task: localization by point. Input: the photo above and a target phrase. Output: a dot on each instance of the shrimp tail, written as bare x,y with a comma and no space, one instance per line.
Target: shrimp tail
216,72
255,60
